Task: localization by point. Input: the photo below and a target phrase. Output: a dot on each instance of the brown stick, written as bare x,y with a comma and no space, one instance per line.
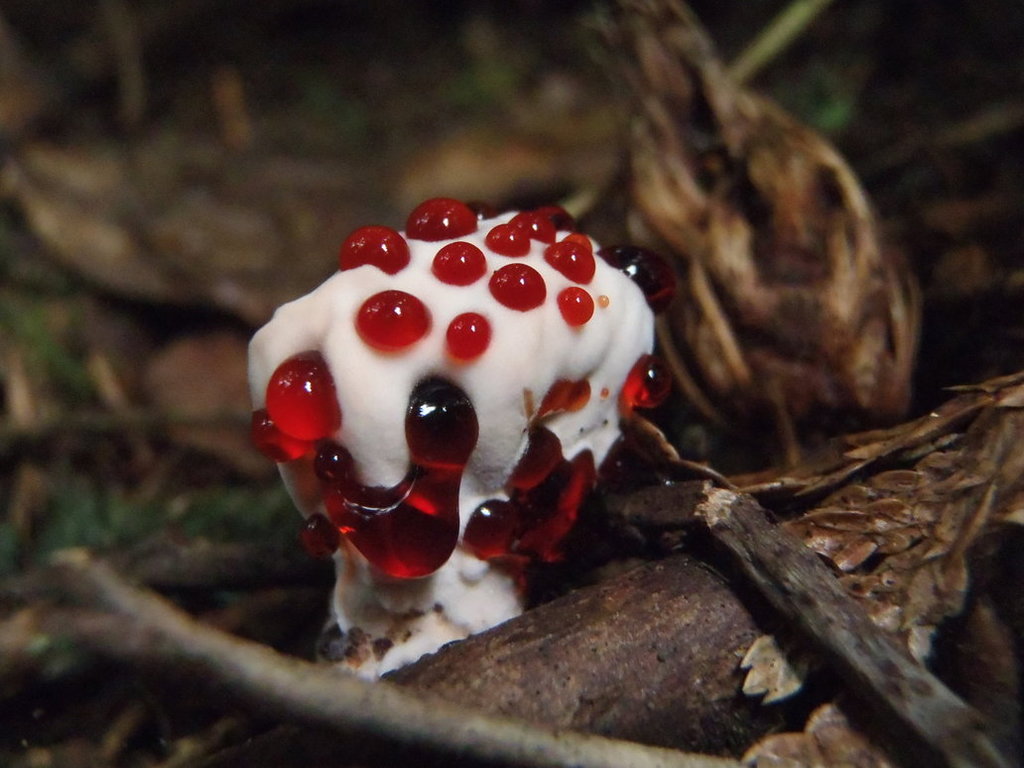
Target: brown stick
374,713
650,655
926,722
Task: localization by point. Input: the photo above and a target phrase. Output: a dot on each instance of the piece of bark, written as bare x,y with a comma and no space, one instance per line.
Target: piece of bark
651,655
925,723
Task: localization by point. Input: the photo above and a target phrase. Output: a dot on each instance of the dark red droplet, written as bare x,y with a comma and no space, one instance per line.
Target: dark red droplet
319,537
272,442
392,320
468,336
647,385
558,216
459,263
301,400
536,226
440,425
381,247
565,395
491,529
481,209
508,240
333,465
573,259
518,286
440,218
576,305
645,268
543,453
407,543
555,507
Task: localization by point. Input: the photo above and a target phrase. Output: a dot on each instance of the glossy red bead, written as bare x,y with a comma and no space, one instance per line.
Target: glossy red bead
440,218
468,336
381,247
647,269
491,529
440,425
543,453
392,320
576,305
301,399
558,216
407,542
565,395
481,209
272,442
508,240
518,286
573,259
555,506
647,385
535,225
459,263
319,537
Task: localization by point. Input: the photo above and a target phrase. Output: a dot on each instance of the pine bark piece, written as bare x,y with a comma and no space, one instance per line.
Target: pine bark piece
925,722
652,656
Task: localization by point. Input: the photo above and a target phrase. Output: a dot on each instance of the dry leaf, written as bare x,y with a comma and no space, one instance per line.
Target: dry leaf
828,740
205,377
789,308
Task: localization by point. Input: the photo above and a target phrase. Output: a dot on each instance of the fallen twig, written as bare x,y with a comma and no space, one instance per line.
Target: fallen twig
380,714
928,723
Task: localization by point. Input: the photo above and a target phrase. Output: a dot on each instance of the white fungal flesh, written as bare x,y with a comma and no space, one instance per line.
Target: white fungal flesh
529,351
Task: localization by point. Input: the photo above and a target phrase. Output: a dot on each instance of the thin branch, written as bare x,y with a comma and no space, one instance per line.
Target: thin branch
775,38
323,696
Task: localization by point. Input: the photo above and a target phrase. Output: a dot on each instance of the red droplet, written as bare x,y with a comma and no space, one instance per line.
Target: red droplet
440,425
491,529
459,263
645,268
392,320
481,209
272,442
468,336
406,531
557,215
535,225
333,465
579,237
301,400
518,286
381,247
508,240
343,491
543,453
555,506
440,218
319,537
647,385
407,542
572,259
565,395
576,305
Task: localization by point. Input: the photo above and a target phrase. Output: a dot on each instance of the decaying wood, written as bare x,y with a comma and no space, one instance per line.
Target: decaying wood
789,307
383,719
903,509
926,722
651,656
